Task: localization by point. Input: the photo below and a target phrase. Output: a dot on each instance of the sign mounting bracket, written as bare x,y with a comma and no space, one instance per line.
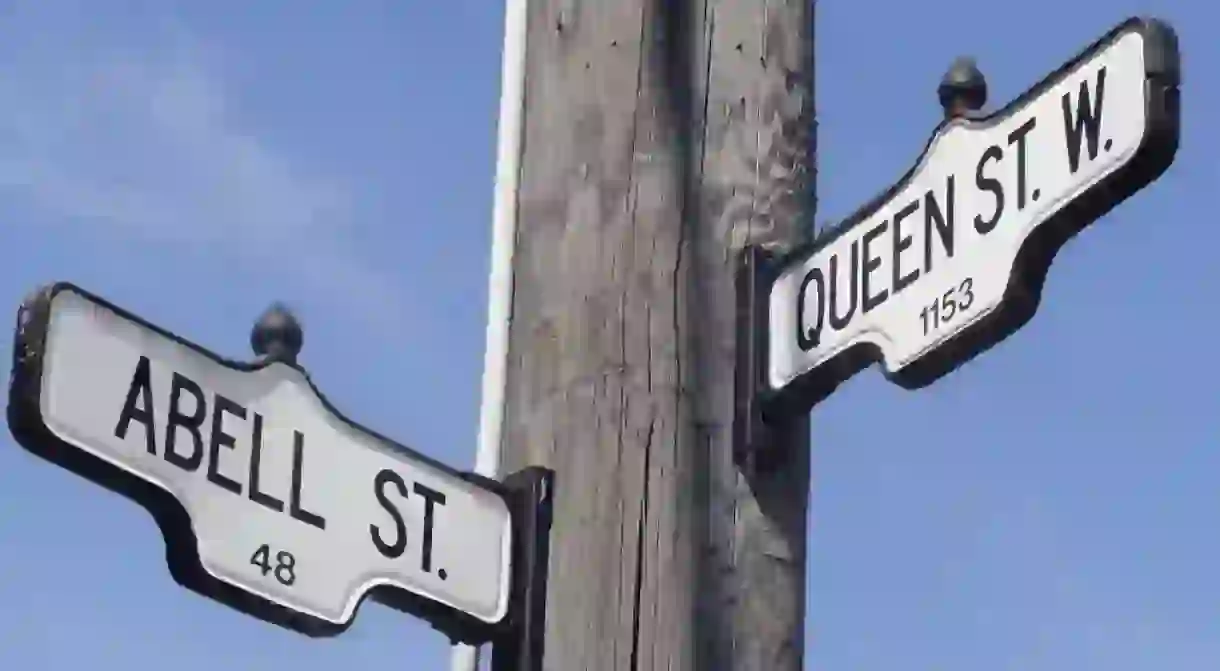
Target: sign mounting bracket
752,447
519,644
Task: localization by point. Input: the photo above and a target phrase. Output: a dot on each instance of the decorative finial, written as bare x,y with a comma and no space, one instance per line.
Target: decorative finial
963,89
277,335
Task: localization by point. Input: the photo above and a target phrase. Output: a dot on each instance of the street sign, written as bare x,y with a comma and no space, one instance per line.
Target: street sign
268,498
951,259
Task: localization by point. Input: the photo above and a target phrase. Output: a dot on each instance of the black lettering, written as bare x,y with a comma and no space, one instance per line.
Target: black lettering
1086,121
262,558
991,184
933,216
431,497
256,460
1018,136
389,550
298,475
871,263
836,322
807,338
285,568
285,564
901,244
221,407
190,423
141,388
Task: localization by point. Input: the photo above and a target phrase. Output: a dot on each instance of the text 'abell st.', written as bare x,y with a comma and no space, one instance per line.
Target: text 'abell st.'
284,498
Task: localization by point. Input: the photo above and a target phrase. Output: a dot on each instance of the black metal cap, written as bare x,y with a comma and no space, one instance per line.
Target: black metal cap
277,334
963,89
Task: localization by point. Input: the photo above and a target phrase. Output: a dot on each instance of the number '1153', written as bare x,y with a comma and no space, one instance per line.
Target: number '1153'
953,302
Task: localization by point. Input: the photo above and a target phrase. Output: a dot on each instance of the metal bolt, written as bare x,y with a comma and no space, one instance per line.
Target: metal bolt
963,89
277,335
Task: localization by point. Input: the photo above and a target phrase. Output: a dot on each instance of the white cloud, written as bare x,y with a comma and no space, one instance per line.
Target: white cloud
139,136
143,138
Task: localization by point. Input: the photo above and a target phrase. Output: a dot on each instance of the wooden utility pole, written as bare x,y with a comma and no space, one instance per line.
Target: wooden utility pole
661,136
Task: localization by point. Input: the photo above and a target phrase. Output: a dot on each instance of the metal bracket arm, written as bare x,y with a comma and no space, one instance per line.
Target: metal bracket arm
753,447
519,644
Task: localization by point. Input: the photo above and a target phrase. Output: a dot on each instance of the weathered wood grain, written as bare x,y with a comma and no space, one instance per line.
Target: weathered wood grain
660,136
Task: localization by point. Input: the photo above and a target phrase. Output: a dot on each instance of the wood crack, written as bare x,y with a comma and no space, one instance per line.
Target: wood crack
639,551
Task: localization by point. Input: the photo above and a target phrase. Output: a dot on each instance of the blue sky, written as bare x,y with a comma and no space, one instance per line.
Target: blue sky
1052,506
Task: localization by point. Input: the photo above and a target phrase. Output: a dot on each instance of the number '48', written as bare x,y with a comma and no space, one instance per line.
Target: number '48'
284,567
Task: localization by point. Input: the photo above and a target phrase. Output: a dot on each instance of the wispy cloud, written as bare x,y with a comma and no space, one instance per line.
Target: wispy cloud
141,137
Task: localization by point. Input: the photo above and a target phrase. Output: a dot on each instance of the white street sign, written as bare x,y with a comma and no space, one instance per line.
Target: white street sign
951,259
285,500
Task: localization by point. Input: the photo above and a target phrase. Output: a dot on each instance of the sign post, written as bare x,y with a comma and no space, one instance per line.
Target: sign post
951,259
269,499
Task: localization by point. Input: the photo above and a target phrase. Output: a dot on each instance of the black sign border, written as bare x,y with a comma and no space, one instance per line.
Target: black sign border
1023,295
26,423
